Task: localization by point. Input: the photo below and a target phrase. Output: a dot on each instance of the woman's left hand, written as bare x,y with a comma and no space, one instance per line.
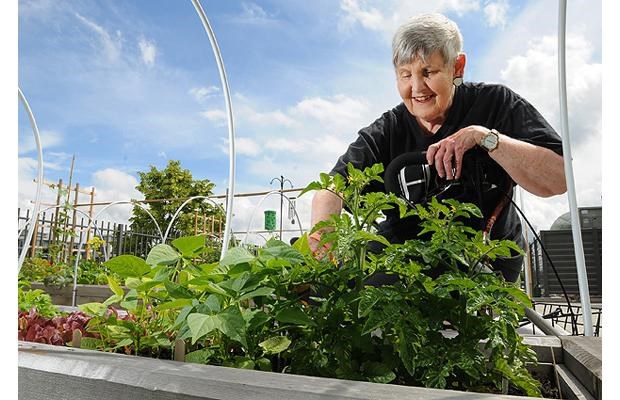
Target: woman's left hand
447,154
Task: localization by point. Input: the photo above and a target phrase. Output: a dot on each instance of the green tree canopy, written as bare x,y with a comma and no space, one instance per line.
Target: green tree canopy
173,182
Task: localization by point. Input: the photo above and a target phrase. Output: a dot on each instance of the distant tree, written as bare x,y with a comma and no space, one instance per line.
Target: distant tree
173,182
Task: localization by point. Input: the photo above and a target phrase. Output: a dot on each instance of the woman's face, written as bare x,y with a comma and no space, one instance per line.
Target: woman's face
426,87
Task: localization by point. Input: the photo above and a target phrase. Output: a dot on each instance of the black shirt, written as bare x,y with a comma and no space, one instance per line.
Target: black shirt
490,105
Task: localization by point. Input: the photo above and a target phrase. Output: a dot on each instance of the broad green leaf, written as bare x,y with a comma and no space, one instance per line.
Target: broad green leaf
115,286
162,254
115,298
130,302
201,356
275,344
237,255
232,324
200,325
177,291
277,249
294,315
189,246
148,284
263,291
170,305
133,283
128,266
239,269
97,309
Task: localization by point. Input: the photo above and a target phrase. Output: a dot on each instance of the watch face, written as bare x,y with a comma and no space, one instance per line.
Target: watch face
490,141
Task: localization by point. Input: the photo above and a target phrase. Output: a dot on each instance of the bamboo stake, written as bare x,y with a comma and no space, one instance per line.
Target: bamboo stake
90,215
57,209
33,242
73,220
195,222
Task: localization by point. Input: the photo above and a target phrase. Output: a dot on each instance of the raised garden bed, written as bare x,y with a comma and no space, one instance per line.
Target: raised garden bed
575,363
85,293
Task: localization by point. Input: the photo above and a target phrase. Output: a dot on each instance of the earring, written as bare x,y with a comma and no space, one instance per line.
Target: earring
457,81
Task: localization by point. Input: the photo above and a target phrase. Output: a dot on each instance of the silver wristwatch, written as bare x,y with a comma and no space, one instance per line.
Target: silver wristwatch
490,141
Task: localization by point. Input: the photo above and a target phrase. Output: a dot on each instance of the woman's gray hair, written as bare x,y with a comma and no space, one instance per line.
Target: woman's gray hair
423,35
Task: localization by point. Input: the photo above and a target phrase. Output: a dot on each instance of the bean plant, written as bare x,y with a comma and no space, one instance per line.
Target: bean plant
284,310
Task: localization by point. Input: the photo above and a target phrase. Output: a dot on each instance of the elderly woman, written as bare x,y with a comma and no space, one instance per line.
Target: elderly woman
447,118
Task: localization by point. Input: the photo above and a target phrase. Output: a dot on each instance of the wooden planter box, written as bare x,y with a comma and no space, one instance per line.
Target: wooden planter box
47,371
85,293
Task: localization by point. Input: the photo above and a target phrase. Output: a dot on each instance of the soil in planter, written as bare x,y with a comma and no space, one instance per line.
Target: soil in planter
548,388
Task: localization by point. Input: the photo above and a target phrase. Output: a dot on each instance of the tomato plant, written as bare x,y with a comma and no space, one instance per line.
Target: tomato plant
283,310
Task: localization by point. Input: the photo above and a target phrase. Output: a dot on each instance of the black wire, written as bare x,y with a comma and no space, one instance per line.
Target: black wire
570,308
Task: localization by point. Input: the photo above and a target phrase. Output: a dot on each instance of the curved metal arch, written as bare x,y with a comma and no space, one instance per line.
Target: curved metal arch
183,205
231,127
37,201
301,231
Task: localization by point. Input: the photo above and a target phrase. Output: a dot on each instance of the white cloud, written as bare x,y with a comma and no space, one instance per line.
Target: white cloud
202,93
218,117
253,11
244,146
276,117
386,15
112,46
148,51
532,72
534,75
496,13
48,139
114,185
336,113
370,18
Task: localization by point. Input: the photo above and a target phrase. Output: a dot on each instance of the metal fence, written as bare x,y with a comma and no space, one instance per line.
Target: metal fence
559,246
119,238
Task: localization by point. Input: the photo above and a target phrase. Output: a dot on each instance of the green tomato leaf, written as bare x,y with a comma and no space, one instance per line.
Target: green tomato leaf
275,344
128,266
162,254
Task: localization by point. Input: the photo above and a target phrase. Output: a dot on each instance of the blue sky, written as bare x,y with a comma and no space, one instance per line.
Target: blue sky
125,85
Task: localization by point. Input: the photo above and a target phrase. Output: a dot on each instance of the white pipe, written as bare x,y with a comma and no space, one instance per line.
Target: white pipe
231,129
527,266
181,207
584,292
37,201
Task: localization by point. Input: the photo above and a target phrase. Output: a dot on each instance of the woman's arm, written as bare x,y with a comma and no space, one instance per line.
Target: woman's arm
538,170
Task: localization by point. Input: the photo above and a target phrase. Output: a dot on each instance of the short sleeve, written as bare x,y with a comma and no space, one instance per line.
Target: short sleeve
522,121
